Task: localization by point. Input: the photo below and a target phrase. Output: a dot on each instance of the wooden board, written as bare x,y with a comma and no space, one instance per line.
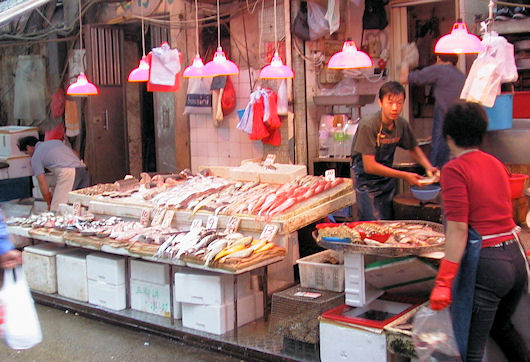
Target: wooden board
46,234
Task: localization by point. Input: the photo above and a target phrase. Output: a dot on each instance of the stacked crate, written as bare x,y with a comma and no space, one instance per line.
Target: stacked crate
106,280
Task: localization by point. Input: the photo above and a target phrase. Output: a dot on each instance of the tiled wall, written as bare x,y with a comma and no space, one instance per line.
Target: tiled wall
224,145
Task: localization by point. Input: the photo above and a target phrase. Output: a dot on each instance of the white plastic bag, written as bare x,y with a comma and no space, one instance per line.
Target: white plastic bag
316,19
199,96
21,326
433,336
410,55
283,101
503,52
483,82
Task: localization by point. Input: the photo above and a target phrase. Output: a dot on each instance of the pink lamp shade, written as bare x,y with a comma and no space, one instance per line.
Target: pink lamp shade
459,41
349,58
196,69
141,72
276,70
220,65
82,87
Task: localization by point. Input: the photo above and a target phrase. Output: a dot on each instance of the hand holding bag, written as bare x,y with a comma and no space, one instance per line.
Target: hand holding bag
21,326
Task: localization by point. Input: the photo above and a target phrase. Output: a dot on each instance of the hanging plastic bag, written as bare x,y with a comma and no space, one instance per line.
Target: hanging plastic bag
316,19
333,15
199,96
374,16
283,101
433,336
21,326
483,82
300,25
165,64
228,100
502,51
151,87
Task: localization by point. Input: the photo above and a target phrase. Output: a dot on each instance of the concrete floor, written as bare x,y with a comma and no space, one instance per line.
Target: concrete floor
68,336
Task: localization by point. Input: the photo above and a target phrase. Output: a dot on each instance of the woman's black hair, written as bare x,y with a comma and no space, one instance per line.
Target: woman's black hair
466,123
392,87
24,142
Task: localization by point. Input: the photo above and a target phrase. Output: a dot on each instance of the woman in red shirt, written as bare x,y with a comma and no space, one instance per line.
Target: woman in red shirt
477,207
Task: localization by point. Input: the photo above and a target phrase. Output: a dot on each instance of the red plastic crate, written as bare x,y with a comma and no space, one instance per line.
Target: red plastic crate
521,104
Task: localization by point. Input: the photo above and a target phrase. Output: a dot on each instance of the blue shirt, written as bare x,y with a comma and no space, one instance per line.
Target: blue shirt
53,154
5,244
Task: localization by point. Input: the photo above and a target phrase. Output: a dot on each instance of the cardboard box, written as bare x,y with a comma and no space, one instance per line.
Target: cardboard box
9,136
219,319
106,295
72,280
40,266
209,288
106,268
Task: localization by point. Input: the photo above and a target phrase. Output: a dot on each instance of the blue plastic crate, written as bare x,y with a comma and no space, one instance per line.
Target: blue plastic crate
500,116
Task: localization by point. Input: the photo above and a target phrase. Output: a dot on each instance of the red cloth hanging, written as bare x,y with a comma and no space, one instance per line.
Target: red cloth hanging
275,137
259,131
274,120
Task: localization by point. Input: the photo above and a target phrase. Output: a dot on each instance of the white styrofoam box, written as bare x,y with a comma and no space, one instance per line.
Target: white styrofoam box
150,297
149,272
72,281
340,342
209,288
219,319
177,306
50,179
106,268
19,166
40,266
316,273
357,291
9,136
106,295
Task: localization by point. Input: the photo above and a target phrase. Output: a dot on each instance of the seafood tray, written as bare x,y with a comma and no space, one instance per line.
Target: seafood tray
384,250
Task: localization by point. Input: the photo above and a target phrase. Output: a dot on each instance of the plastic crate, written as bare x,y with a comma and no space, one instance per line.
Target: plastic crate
318,275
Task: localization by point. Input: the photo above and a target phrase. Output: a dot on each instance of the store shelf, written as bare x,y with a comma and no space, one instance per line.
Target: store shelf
512,26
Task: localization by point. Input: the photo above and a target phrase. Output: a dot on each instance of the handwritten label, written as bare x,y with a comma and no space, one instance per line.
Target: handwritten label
211,223
144,218
196,225
329,175
233,224
158,216
77,208
271,157
311,295
168,218
269,231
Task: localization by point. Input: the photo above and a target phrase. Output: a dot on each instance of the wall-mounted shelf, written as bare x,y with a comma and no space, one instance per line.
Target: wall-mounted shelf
512,26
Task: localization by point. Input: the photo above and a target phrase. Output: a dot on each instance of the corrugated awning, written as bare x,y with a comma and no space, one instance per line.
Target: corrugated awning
10,9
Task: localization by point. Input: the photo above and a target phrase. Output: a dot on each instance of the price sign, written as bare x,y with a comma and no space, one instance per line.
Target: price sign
158,216
168,218
269,231
269,160
329,175
196,225
211,223
233,224
144,218
77,208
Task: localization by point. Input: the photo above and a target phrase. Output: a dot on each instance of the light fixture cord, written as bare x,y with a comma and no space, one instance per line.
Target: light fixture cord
196,27
80,27
218,27
275,31
143,35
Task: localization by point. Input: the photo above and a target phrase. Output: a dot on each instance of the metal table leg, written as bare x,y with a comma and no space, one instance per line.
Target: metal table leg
127,282
235,306
171,295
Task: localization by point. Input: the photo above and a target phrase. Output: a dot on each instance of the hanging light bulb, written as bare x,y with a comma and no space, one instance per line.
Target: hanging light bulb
141,73
196,69
81,87
276,70
459,41
219,65
350,57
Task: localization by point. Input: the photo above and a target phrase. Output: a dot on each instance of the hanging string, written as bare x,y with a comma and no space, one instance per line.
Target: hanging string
275,31
218,27
80,27
196,27
143,31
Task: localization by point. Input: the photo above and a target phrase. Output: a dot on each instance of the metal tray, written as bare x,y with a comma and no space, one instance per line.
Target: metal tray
386,250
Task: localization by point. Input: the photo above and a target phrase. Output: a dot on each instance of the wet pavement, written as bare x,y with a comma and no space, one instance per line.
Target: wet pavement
67,336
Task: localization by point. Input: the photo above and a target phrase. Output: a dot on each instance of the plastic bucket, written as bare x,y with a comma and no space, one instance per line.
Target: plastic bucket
501,114
517,183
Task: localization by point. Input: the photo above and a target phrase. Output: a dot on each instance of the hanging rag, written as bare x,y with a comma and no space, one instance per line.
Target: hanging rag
30,89
57,103
151,87
273,119
259,131
71,118
165,65
245,123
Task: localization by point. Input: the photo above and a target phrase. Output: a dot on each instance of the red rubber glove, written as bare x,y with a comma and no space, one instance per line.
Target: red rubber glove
441,293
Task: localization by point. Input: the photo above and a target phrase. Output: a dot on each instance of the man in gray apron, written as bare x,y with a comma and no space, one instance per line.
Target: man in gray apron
373,151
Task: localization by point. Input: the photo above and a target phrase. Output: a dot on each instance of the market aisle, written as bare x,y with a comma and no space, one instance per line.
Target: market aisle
70,337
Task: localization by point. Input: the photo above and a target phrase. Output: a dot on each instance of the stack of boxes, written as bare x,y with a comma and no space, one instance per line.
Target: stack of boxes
72,280
19,162
106,280
208,300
